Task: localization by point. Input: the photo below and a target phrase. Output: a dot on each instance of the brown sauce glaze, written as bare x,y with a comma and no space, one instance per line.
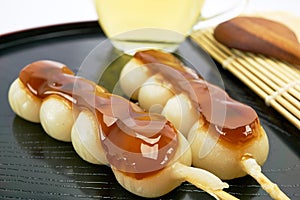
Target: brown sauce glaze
137,143
236,123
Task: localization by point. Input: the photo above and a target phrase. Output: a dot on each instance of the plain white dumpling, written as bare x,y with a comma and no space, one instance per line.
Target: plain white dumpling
154,94
23,103
57,117
132,76
86,138
180,111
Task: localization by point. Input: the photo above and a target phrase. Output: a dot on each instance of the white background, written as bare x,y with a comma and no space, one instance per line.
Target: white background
16,15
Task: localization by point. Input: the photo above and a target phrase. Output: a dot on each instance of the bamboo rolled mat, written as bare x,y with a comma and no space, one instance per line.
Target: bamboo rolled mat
278,83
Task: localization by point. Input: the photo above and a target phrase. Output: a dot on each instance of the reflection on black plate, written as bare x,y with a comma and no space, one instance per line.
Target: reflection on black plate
35,166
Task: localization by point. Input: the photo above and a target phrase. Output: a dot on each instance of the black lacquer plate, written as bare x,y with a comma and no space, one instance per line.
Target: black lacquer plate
35,166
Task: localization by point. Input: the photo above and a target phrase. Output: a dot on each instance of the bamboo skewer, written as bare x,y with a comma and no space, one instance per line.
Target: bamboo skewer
193,175
253,169
278,83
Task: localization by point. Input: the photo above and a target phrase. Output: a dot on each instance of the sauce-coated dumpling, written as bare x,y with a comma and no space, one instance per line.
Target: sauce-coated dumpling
222,157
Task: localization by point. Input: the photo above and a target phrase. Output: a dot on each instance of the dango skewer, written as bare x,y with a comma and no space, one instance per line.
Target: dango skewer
226,137
140,147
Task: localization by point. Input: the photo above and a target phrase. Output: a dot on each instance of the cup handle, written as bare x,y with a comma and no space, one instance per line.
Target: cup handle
205,22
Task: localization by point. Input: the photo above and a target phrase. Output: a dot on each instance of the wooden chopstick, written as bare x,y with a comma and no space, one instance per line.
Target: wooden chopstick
278,83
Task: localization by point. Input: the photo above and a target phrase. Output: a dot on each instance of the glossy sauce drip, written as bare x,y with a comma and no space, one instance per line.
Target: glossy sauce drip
136,142
234,122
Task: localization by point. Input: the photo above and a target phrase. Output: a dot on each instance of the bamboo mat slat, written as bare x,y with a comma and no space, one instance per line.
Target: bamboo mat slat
277,82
